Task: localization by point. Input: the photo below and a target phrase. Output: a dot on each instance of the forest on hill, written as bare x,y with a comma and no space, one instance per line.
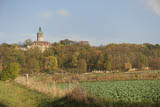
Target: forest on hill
71,56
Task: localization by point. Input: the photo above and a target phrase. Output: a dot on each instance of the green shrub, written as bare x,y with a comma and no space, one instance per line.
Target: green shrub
11,72
4,75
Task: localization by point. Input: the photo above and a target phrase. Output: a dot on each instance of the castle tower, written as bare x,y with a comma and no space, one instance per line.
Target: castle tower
43,45
40,35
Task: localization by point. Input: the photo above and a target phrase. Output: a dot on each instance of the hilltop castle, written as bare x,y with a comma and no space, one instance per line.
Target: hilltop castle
40,43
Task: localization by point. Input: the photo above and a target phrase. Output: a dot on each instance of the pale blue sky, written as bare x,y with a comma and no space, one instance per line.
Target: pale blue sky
98,21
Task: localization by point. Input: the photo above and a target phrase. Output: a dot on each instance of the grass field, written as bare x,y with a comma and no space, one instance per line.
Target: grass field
13,95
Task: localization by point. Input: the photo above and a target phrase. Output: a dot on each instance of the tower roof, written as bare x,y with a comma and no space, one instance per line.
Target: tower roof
40,30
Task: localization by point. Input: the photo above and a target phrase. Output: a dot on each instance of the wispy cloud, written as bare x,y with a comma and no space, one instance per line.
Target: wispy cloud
46,15
63,12
155,5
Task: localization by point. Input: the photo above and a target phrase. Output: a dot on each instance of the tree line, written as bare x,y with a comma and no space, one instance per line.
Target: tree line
71,56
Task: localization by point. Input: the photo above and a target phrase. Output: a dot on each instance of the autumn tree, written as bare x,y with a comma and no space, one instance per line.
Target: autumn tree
82,66
50,63
1,67
74,60
100,61
155,63
108,63
127,66
66,42
141,61
27,42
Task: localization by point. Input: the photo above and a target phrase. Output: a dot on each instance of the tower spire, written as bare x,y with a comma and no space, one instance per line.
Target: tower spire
40,30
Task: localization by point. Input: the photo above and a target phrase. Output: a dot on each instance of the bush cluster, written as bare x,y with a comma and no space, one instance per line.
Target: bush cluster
11,72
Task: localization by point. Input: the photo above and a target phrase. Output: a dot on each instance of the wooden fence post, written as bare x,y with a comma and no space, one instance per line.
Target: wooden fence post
27,79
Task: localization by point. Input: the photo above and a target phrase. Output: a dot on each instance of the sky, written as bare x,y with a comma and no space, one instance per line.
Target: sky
100,22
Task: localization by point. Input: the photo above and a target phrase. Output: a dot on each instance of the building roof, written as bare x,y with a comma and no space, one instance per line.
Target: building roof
41,43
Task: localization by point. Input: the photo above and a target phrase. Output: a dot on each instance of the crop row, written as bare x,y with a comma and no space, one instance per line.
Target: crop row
132,91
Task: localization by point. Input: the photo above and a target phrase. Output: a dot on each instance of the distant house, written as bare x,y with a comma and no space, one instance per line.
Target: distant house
83,43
